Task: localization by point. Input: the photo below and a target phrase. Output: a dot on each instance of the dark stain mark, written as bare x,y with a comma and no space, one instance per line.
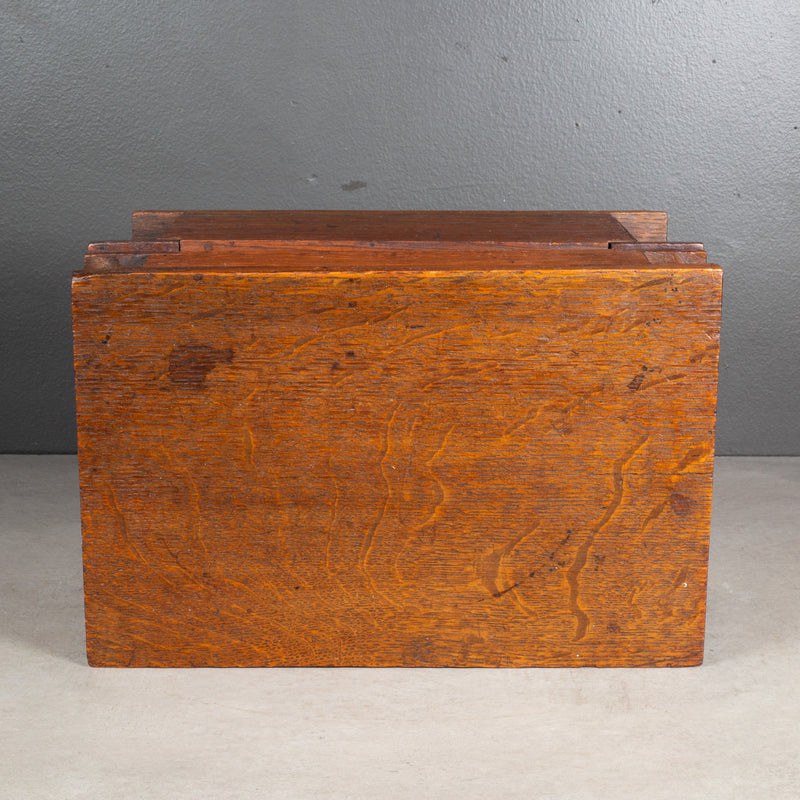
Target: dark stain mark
692,455
680,579
676,377
106,338
416,326
335,366
599,559
516,585
504,59
296,588
421,651
654,282
353,186
637,381
350,354
613,628
189,364
681,504
352,304
198,278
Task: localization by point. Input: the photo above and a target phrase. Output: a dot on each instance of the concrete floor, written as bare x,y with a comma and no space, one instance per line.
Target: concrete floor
728,729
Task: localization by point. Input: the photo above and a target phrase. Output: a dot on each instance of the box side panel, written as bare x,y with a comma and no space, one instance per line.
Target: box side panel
472,469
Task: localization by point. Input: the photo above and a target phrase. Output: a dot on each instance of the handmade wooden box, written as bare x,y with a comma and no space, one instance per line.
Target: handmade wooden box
396,439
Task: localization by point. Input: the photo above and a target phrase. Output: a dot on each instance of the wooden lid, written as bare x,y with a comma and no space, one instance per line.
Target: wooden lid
390,240
551,228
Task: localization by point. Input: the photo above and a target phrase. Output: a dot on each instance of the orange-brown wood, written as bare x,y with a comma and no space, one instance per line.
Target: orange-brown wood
365,453
272,256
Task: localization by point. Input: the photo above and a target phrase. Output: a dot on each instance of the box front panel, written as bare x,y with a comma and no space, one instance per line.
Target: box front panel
474,469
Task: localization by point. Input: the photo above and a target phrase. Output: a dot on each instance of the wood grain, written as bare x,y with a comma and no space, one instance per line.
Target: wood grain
648,247
327,256
587,228
475,467
644,226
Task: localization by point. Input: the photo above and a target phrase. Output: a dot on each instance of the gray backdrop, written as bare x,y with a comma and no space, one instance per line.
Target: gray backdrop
684,106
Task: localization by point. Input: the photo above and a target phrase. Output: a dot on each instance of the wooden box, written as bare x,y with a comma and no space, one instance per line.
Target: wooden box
396,439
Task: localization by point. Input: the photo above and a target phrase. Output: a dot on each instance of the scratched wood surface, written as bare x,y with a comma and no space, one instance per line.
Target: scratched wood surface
432,468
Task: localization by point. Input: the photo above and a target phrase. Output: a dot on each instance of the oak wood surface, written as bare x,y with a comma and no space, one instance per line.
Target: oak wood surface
644,226
649,247
327,256
474,467
595,228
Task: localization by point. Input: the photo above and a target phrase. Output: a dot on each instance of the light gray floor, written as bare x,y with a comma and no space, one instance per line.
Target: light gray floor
728,729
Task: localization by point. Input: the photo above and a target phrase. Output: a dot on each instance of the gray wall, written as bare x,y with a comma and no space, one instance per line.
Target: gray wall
689,107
